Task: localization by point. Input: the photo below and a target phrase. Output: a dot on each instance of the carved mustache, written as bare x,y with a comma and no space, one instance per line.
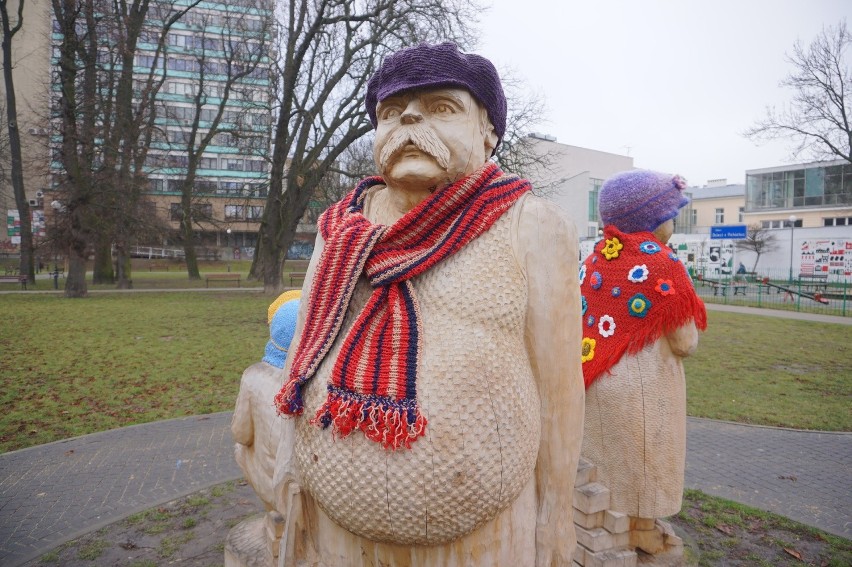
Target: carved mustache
419,135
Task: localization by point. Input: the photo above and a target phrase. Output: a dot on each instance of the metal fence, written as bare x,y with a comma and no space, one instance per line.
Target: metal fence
776,289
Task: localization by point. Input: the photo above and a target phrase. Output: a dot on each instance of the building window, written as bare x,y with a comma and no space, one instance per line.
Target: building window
202,211
693,217
720,216
233,164
206,187
254,212
208,163
740,214
234,212
593,198
780,223
837,221
175,212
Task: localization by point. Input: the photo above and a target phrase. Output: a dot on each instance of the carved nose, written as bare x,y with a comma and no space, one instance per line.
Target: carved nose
411,117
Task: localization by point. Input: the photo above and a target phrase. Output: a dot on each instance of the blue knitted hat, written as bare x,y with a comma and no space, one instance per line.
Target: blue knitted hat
434,66
282,327
641,200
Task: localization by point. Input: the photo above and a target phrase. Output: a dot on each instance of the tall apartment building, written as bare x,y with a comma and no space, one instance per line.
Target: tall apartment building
232,179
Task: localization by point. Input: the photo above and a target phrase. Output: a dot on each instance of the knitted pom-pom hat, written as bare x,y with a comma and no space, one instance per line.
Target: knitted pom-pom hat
641,200
434,66
282,326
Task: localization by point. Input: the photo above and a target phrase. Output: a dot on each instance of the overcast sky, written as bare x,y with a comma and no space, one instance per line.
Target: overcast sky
670,83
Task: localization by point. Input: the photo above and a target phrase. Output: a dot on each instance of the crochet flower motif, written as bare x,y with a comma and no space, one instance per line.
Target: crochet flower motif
585,303
649,247
613,245
665,287
582,274
590,321
596,280
673,256
638,273
588,350
616,291
638,305
606,326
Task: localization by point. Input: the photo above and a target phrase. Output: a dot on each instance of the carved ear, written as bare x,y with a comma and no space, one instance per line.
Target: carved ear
490,138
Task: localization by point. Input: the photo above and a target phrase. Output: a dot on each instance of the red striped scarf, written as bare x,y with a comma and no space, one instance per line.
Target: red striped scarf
373,381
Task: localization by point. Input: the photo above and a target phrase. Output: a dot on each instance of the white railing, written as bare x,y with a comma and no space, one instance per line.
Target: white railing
151,252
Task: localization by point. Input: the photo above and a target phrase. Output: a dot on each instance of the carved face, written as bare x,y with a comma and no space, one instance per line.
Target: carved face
430,138
665,231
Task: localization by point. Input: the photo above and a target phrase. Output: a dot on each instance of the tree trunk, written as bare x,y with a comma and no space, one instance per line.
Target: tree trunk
272,265
190,255
26,267
123,268
102,272
75,279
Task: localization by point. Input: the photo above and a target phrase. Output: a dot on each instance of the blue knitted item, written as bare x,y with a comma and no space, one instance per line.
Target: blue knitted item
281,330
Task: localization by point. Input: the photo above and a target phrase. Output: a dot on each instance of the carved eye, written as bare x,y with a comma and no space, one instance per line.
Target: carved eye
442,108
390,112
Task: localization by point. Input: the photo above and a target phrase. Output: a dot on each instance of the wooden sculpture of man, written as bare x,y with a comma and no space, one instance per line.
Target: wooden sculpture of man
437,411
641,317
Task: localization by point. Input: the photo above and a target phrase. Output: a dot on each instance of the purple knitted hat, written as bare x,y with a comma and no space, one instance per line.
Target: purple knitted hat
442,65
641,200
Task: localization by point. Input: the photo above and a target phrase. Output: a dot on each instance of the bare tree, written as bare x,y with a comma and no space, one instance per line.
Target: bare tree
105,115
328,52
12,26
817,120
758,240
517,153
224,110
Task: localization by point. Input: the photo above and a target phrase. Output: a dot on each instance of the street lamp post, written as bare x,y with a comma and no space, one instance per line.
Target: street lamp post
792,229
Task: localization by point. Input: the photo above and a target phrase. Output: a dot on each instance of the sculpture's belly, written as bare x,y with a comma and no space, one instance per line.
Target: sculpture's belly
479,450
475,387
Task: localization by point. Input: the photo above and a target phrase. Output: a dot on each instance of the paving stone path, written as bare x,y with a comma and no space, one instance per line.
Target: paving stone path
53,493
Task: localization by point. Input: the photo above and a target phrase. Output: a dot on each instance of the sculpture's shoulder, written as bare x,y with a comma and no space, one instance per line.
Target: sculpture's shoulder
541,224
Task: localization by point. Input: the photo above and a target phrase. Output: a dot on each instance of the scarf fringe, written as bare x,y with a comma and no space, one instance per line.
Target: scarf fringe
289,401
394,424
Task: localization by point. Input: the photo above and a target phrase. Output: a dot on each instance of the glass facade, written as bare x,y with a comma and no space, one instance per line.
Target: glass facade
824,186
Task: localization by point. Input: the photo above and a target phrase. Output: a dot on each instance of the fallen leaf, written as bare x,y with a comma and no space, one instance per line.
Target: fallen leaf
794,553
725,529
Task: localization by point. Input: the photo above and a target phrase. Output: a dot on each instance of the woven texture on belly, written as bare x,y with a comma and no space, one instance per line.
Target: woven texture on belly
476,388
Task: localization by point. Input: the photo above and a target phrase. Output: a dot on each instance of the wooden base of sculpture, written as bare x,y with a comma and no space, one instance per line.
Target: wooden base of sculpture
606,538
254,542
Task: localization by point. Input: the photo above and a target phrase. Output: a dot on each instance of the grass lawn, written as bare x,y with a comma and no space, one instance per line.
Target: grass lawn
720,532
72,367
769,371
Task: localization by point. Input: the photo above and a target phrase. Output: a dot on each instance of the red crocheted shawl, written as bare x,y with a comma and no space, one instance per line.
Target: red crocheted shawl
634,290
373,381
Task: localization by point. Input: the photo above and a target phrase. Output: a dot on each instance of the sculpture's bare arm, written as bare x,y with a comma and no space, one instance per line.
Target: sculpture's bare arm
684,340
547,251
